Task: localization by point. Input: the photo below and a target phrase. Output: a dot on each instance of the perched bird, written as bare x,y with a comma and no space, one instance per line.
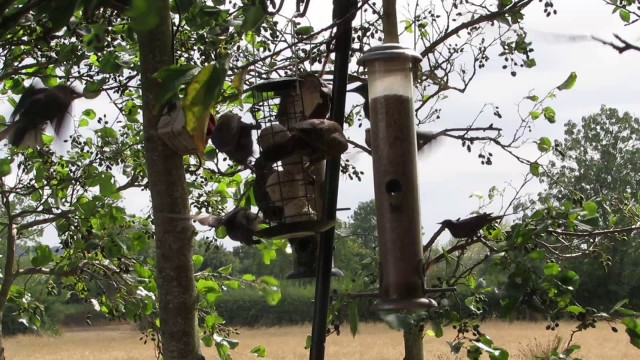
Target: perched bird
240,223
363,91
310,99
469,227
36,108
315,139
423,138
233,137
269,209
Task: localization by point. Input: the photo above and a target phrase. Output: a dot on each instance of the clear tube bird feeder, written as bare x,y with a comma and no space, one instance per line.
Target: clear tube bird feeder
393,140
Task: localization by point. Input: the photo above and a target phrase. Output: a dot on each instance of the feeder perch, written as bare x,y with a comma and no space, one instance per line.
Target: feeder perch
390,80
172,129
305,258
292,185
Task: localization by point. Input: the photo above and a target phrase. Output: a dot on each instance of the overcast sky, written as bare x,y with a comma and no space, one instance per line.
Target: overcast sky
448,175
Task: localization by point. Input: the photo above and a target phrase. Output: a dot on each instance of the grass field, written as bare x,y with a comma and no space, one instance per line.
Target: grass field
374,342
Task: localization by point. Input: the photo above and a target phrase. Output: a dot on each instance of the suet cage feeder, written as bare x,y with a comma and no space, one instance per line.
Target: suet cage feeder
173,130
305,258
390,70
291,186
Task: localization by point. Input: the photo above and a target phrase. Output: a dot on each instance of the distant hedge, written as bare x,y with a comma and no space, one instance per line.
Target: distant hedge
247,307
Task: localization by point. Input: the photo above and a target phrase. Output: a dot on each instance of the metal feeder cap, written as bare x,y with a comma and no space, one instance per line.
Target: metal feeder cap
388,51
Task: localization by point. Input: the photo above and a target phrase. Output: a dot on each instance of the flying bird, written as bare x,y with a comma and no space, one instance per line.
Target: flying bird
469,227
240,223
36,108
233,137
315,139
423,138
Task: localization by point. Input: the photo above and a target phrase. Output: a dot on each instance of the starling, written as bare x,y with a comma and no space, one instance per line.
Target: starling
241,224
469,227
363,90
316,139
36,108
233,137
266,205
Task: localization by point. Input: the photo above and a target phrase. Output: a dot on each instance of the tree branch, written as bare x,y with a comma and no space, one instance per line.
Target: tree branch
517,6
595,233
620,48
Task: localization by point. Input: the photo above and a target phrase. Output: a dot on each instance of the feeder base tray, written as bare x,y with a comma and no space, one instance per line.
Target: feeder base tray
294,230
308,275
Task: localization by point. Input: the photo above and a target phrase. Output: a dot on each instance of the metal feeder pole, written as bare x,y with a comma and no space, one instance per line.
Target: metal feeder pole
341,9
395,177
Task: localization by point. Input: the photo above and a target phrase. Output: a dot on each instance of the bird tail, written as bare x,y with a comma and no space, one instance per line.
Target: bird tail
22,137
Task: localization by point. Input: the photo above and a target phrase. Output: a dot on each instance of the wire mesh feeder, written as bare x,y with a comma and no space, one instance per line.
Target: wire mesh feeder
286,191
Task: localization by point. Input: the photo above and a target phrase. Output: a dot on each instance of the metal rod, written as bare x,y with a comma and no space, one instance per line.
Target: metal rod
341,8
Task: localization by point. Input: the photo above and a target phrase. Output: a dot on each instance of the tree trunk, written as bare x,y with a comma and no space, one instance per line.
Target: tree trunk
167,184
10,258
413,344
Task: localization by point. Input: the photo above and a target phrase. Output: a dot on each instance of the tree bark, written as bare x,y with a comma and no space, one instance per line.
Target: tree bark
413,344
10,258
167,184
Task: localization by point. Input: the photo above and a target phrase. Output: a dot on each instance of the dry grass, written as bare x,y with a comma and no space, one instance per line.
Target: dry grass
287,343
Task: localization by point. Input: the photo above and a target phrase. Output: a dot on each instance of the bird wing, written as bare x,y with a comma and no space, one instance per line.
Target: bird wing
27,96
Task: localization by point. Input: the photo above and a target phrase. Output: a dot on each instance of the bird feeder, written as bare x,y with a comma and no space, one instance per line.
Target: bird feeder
305,258
172,129
393,137
290,187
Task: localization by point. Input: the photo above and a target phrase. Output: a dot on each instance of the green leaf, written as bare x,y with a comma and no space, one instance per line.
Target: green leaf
535,114
259,351
304,30
202,92
618,305
269,280
5,166
536,254
353,318
207,340
307,342
221,232
107,185
549,114
625,15
225,269
197,262
569,82
248,277
551,269
437,329
501,354
253,15
533,98
575,309
144,14
58,13
171,78
43,256
534,169
544,144
591,208
529,63
89,113
83,122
